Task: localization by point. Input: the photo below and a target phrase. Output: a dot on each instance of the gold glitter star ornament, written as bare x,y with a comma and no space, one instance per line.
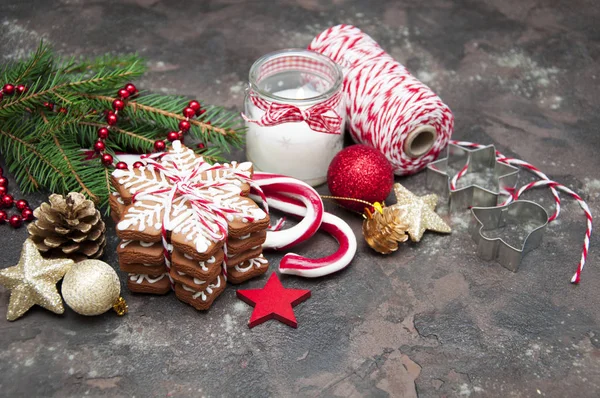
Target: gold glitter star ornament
420,213
33,281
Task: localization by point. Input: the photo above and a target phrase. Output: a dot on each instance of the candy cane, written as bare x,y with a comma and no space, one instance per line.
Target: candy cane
284,239
294,264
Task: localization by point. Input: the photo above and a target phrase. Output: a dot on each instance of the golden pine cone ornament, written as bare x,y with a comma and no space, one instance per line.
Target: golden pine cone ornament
385,228
69,227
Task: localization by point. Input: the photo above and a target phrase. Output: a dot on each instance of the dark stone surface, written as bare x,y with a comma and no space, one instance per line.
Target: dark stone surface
431,319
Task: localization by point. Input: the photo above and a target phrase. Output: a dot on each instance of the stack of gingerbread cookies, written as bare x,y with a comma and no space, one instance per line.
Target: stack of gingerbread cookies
187,226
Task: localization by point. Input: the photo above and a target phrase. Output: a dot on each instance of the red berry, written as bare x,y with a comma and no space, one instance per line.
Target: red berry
137,165
201,146
111,119
189,112
99,146
195,105
21,89
3,190
159,145
184,125
103,133
202,112
8,89
3,216
173,136
107,159
121,166
21,204
7,200
49,106
15,221
123,93
63,110
3,182
180,135
131,88
27,214
118,105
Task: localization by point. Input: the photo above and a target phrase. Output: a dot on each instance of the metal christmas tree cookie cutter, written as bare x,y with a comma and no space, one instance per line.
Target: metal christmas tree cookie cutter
490,218
476,160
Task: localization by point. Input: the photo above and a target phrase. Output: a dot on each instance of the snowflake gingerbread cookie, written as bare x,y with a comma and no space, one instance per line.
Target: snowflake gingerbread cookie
186,225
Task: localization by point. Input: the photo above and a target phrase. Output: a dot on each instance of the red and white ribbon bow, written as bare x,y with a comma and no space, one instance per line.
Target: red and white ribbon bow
320,117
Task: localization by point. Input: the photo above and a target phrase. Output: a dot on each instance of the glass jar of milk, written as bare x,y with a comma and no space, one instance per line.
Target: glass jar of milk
295,114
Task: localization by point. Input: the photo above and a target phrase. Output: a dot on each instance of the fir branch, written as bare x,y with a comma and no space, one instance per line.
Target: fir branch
119,130
72,169
32,149
137,105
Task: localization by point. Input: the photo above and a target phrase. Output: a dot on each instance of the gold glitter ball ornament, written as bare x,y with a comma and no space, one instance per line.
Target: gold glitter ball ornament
33,281
92,288
384,228
420,213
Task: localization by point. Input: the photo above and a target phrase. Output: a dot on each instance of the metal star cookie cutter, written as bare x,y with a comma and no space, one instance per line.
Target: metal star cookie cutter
438,180
488,218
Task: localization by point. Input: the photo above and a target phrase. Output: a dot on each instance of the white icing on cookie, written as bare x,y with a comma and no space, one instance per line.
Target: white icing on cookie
208,290
124,243
253,262
139,278
201,263
146,244
187,196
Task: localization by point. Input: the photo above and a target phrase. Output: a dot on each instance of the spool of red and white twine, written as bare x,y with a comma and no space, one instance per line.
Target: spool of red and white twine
543,182
386,107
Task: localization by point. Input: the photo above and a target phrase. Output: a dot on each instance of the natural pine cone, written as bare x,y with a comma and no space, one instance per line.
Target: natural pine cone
68,227
384,229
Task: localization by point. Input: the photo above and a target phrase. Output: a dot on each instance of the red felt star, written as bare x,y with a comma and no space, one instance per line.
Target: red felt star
273,301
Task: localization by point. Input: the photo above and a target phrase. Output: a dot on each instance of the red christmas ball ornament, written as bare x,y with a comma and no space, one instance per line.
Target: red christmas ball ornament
123,93
49,106
200,146
189,112
121,166
195,105
21,89
111,119
3,216
137,165
7,200
360,172
99,146
103,133
15,221
118,105
184,125
21,204
107,159
3,190
131,88
173,136
3,182
159,145
8,89
27,214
